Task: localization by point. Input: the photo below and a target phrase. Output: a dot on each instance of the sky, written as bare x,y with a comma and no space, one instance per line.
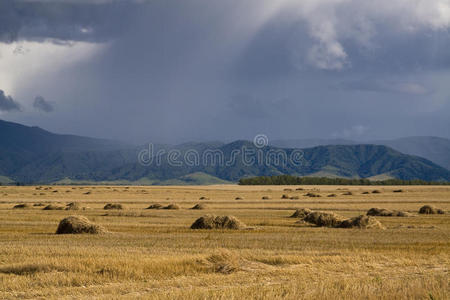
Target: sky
194,70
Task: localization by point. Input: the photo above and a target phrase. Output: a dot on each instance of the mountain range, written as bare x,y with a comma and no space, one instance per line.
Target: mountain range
32,155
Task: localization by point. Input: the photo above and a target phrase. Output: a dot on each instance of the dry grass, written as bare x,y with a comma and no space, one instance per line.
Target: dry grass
153,253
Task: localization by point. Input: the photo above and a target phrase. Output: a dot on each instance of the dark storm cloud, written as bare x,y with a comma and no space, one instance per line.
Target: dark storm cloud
64,20
7,103
185,70
43,105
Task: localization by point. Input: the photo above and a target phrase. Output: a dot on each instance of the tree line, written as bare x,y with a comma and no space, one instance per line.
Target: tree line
296,180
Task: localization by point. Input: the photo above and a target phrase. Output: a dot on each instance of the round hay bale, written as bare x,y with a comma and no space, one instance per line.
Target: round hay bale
332,195
199,206
203,198
217,222
53,207
428,210
362,222
78,225
113,206
172,206
265,198
155,206
347,193
365,193
285,196
21,206
301,213
238,198
398,191
376,192
73,206
324,219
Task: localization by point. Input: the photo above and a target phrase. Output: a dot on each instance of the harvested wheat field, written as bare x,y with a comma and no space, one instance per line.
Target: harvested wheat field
154,253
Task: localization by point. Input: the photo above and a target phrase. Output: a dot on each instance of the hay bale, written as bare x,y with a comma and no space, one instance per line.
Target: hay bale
155,206
299,189
374,211
172,206
381,212
430,210
203,198
362,222
224,261
284,196
113,206
265,198
78,225
398,191
376,192
332,195
301,213
287,190
199,206
294,198
365,193
312,195
347,193
53,207
73,206
238,198
218,222
324,219
21,206
397,213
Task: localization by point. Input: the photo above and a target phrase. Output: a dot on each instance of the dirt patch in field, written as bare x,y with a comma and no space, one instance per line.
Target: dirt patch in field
218,222
430,210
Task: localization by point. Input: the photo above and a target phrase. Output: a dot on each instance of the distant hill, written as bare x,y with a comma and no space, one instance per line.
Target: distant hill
435,149
33,155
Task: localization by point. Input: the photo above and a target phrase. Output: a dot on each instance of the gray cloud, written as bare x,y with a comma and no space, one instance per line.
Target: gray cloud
94,21
43,105
172,69
7,103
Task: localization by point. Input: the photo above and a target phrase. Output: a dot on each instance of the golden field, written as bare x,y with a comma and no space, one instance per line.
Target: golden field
153,254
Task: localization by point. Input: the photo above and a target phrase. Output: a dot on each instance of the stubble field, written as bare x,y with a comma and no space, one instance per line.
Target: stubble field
153,254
